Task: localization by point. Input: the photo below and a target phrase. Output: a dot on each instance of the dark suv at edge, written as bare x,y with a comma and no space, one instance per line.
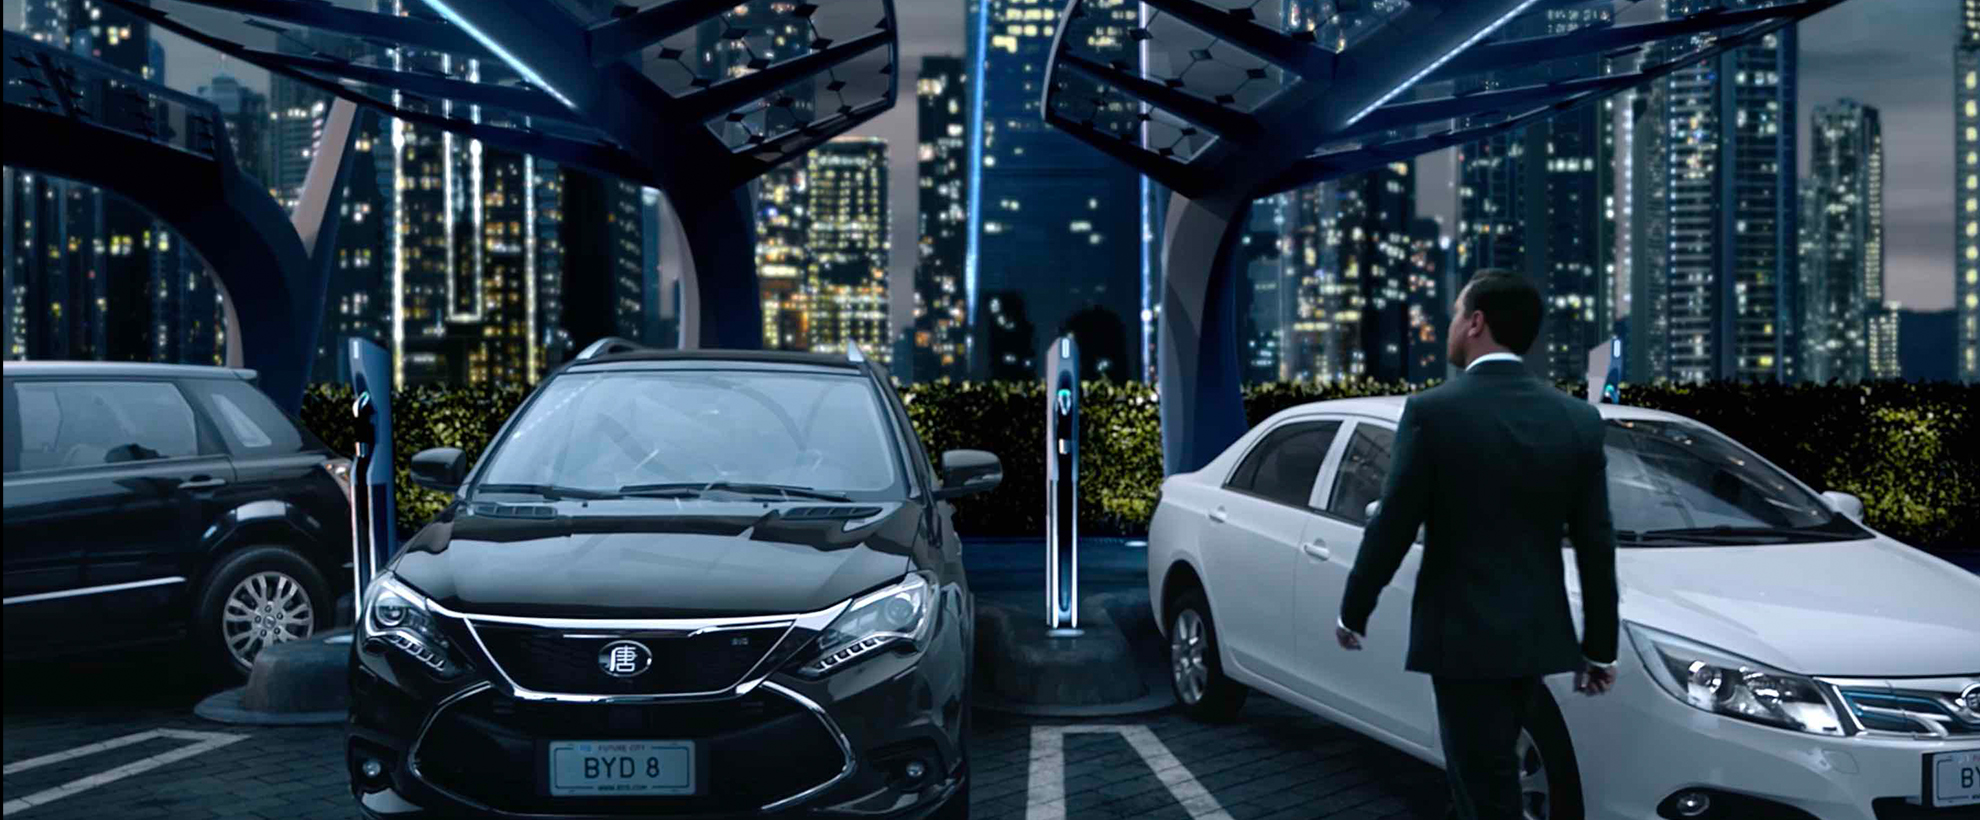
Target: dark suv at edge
154,502
679,583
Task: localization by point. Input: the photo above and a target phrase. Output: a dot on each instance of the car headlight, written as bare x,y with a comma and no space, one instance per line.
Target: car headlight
1727,684
397,615
893,615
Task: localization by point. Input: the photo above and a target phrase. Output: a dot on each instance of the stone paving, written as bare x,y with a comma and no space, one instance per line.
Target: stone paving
1273,762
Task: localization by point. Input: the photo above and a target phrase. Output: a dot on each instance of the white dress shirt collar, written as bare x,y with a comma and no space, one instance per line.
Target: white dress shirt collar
1500,356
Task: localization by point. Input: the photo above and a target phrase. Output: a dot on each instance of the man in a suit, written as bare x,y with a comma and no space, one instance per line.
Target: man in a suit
1497,464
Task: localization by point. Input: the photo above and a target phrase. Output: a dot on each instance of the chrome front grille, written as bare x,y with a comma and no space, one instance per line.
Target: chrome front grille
1917,707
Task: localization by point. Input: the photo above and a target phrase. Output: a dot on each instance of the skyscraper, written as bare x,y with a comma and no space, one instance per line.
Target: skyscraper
1844,288
1539,201
1966,147
1730,266
1881,341
1051,220
847,247
1649,343
86,277
941,303
1262,304
783,227
476,257
1369,302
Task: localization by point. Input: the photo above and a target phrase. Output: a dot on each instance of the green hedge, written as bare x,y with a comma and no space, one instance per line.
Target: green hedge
1910,450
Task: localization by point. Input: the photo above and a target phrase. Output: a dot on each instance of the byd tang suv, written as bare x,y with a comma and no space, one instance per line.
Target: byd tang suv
677,584
1778,658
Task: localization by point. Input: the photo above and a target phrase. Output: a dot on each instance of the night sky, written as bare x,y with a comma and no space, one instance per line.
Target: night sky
1895,55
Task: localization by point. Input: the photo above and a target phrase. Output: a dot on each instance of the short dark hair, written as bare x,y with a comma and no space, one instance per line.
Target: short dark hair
1511,305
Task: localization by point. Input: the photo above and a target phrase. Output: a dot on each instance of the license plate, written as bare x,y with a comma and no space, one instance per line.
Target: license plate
1952,778
621,768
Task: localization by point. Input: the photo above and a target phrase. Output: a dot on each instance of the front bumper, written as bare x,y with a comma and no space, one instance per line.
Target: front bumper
787,746
1637,746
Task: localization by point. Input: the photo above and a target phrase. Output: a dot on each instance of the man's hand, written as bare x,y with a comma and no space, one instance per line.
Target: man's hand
1594,680
1348,639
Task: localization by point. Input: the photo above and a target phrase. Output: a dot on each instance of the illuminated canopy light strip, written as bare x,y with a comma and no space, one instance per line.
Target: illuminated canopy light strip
1418,76
515,62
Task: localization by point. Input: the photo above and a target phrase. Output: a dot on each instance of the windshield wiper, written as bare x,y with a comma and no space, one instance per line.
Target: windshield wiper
552,492
1720,533
692,489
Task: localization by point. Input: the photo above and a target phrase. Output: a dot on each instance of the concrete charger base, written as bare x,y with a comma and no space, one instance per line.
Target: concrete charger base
297,683
1118,666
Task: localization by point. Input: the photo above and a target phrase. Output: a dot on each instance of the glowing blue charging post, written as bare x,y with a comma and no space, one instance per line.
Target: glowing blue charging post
1062,486
373,535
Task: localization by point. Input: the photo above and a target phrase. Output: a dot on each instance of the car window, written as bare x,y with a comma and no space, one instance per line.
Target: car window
603,431
1283,466
1364,466
84,423
249,422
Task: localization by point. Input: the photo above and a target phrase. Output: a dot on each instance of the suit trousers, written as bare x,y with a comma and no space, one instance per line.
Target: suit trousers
1479,721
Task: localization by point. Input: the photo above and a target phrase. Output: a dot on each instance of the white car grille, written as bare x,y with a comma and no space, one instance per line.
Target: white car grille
1918,707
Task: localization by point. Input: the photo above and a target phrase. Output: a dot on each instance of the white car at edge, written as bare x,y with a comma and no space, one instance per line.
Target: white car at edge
1777,656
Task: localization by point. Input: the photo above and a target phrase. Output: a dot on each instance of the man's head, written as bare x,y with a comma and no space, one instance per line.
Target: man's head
1498,310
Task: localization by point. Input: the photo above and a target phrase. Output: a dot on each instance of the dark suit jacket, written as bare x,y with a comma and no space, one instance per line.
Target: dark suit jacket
1497,463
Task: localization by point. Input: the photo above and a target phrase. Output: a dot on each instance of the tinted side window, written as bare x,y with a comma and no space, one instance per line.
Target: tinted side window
1284,465
84,423
248,421
1364,467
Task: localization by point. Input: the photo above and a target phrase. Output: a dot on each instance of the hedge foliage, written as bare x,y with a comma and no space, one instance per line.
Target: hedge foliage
1910,450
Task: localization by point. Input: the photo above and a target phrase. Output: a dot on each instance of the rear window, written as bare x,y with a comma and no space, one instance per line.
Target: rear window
62,424
249,423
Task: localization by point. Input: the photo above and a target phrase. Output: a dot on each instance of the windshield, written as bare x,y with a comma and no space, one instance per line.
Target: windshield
1673,483
761,433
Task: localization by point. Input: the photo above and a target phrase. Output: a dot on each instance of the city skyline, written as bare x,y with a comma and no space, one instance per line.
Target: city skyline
998,212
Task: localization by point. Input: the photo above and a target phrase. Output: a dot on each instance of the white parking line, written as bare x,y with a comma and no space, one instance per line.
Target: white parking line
1047,790
206,742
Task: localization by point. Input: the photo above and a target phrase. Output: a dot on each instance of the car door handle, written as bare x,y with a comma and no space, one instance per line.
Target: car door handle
1219,515
1317,549
201,482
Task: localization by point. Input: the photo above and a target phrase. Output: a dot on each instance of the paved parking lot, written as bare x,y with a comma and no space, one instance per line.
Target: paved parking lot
115,738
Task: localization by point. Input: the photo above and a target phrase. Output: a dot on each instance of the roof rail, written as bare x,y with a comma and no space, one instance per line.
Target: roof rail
607,346
853,354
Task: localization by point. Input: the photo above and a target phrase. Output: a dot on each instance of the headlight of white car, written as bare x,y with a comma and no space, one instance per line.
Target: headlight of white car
898,613
398,615
1723,683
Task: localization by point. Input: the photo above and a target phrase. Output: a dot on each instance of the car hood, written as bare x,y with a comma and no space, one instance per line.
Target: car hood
1866,608
640,558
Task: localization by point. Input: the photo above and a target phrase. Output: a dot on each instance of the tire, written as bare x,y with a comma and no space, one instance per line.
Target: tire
270,574
1544,747
1196,665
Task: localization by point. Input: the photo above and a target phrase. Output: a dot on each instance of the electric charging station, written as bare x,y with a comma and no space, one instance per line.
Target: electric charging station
373,532
1062,486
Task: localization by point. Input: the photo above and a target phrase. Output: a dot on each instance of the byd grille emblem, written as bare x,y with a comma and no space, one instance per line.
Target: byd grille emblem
1970,698
625,659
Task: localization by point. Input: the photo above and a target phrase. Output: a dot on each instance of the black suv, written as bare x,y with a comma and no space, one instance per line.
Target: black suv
152,502
682,584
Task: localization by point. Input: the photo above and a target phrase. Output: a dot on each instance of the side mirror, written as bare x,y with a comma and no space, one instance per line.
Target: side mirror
1844,503
965,472
442,469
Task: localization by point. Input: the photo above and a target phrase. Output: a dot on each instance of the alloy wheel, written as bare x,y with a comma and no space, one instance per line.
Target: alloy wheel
1533,788
264,609
1186,657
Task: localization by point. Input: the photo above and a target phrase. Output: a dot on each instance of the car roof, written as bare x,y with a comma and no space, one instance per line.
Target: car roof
99,370
744,357
1391,407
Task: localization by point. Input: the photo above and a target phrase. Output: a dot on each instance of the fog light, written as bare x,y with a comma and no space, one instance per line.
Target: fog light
371,768
1693,804
914,770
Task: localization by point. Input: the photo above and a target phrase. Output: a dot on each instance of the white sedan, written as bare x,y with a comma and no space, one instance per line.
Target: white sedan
1779,658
